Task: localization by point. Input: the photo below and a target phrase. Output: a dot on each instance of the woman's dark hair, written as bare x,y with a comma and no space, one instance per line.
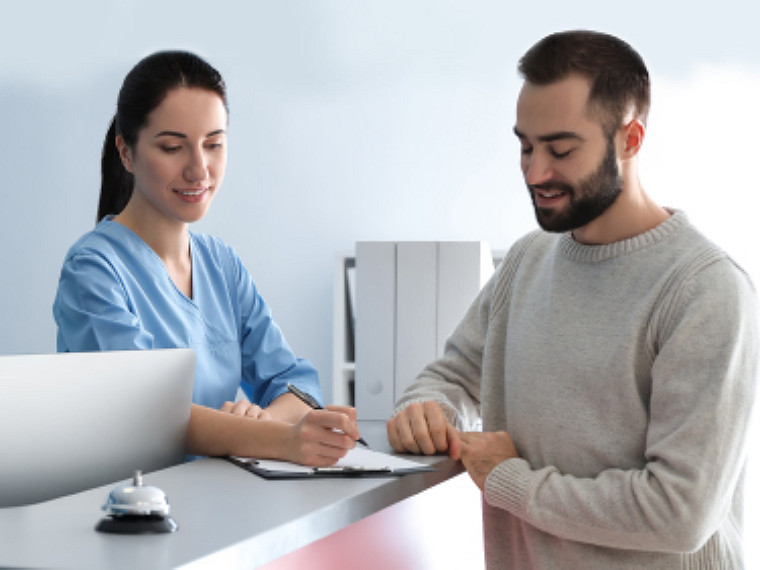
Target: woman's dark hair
144,88
618,75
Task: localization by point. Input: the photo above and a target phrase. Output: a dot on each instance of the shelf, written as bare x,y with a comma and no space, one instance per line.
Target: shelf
343,366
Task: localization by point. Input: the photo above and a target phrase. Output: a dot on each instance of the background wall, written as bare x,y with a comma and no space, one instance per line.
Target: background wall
349,120
353,120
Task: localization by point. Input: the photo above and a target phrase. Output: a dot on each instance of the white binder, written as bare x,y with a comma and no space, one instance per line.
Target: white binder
375,329
416,311
464,267
410,296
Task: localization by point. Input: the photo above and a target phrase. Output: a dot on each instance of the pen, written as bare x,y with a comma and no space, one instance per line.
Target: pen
312,403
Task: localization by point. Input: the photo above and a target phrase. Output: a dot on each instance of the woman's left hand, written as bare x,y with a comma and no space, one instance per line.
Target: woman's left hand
247,409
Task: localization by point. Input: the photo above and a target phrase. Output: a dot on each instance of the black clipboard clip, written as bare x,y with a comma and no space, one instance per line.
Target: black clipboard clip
357,463
255,466
351,470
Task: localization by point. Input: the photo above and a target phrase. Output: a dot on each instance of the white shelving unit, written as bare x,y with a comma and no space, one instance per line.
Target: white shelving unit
343,366
343,345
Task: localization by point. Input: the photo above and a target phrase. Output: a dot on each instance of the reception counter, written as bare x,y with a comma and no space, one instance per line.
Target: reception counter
227,517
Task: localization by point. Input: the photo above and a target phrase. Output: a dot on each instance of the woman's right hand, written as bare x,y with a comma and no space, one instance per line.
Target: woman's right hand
322,437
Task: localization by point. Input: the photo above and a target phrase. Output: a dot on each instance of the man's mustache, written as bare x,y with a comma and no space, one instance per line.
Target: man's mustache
552,185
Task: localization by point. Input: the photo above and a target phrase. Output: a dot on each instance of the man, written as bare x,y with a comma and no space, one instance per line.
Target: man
612,358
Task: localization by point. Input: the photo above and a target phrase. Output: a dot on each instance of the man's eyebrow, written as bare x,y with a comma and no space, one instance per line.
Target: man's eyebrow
184,136
551,137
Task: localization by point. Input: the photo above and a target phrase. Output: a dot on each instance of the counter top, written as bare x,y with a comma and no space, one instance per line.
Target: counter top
227,516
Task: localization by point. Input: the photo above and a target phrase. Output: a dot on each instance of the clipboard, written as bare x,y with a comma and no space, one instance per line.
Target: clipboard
358,462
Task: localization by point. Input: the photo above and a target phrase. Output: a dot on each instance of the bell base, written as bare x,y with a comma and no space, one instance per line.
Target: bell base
137,524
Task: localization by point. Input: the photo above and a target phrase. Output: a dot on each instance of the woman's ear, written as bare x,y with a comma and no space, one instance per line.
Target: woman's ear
633,138
125,153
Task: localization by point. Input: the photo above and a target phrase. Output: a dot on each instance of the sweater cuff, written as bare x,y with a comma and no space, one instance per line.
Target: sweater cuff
512,485
449,413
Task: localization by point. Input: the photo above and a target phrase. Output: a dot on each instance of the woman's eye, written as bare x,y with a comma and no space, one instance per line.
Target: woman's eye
526,150
171,149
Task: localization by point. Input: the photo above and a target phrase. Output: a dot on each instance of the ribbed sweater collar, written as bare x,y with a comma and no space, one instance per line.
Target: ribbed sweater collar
595,253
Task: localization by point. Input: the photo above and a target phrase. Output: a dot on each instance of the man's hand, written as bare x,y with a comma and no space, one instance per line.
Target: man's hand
245,408
420,428
481,452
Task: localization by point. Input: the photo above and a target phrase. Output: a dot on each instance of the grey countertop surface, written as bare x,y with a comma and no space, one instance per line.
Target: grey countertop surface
227,516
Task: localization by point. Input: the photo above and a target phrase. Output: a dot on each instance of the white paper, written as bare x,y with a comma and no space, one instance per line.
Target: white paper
357,458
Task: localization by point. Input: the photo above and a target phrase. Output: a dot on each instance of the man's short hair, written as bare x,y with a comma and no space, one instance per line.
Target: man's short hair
619,78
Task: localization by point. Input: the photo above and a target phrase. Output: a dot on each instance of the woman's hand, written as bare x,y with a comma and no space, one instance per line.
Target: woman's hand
322,437
318,438
245,408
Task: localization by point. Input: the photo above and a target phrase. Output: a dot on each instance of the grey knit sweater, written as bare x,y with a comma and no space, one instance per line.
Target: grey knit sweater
625,373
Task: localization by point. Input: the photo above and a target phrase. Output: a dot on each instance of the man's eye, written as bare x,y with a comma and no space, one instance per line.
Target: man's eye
526,150
556,154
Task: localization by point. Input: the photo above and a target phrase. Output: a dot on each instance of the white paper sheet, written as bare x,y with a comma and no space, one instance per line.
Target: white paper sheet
359,459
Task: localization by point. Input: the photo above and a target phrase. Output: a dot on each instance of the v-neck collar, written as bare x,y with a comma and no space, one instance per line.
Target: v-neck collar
109,222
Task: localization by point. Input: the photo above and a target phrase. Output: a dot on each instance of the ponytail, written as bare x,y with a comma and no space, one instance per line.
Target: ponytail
116,183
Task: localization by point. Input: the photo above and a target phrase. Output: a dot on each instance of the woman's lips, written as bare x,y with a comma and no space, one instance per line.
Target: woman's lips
191,194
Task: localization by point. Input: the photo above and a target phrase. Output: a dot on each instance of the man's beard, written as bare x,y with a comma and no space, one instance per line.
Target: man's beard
588,199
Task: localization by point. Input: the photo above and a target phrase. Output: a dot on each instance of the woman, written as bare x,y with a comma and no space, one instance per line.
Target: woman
141,279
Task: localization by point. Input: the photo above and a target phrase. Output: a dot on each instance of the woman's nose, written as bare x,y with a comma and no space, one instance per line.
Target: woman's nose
197,167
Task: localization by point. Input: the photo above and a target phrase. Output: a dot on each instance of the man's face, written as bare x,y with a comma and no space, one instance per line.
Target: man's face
569,164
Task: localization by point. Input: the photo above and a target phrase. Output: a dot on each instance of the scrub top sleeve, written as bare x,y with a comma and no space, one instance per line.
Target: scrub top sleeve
92,309
268,363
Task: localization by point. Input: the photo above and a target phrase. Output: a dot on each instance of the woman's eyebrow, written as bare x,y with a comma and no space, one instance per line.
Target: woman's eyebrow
184,136
171,134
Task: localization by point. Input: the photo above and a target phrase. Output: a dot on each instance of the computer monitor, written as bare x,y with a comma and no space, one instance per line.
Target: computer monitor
73,421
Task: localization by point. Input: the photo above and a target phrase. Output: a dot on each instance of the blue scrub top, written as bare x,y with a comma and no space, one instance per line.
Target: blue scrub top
115,293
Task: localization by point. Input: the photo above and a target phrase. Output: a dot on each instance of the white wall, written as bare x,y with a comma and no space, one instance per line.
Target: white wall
349,120
352,120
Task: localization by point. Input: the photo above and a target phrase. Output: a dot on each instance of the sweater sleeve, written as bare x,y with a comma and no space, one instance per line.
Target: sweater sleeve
705,343
454,380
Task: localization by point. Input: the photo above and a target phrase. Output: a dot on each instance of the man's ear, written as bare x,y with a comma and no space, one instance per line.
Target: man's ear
125,153
632,138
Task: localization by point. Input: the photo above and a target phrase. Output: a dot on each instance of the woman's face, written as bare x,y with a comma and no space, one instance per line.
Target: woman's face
180,156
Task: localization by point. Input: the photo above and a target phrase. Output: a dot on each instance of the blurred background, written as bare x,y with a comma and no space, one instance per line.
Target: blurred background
354,120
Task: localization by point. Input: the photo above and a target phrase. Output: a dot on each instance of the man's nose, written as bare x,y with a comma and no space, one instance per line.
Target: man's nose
537,168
